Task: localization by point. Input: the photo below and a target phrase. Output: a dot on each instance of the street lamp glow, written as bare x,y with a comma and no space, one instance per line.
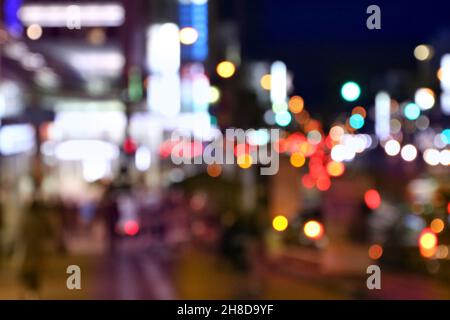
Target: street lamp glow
226,69
392,148
425,98
409,153
280,223
313,229
188,36
351,91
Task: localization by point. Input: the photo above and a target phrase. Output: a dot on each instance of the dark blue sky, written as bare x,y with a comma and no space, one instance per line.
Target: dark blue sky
326,42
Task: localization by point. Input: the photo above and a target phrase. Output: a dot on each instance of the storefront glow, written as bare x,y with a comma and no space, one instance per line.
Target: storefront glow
445,84
194,14
163,59
383,115
59,15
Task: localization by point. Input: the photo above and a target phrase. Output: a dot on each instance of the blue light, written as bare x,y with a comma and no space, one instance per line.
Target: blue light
357,121
195,16
411,111
446,136
283,119
12,22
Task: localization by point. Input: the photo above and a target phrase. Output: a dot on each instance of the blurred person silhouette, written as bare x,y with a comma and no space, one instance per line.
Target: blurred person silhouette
35,232
108,208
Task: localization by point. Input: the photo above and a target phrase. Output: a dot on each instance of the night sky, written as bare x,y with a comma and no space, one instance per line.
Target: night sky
325,42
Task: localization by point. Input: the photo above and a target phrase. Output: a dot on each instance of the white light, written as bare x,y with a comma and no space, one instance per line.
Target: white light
445,84
278,92
47,78
431,157
163,59
258,137
97,63
76,150
409,153
392,148
95,169
424,98
338,153
85,125
382,115
16,139
164,94
444,157
143,158
58,15
163,48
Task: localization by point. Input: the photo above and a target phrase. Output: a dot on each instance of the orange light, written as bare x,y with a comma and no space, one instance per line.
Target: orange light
214,170
375,252
226,69
296,104
360,110
335,169
439,74
437,225
313,229
245,161
372,199
266,82
298,160
428,243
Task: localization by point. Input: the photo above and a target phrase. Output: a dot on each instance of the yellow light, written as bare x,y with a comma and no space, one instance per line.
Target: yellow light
34,32
335,169
296,104
428,240
214,95
226,69
245,161
423,52
298,160
437,225
313,229
188,36
280,223
266,82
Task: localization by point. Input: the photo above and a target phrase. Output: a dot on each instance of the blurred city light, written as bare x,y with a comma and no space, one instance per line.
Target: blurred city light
411,111
409,153
372,199
34,32
423,52
375,252
313,230
280,223
57,15
351,91
392,147
425,98
188,36
226,69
